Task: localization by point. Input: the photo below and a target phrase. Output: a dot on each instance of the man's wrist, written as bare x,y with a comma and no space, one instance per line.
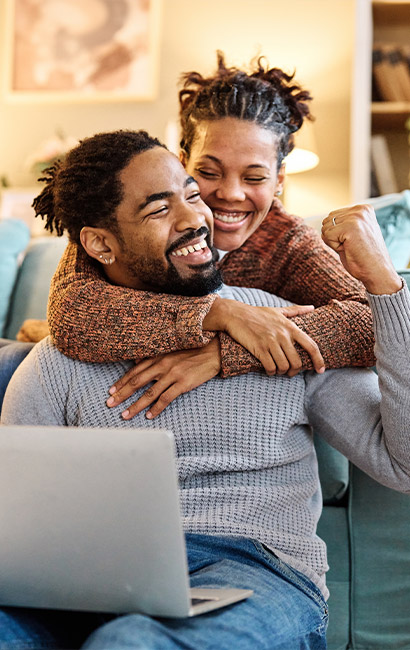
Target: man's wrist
386,285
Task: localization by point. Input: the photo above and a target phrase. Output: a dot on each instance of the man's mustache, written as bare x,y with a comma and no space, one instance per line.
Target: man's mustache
188,237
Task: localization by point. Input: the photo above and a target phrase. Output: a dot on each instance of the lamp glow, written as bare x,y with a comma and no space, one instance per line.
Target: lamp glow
304,155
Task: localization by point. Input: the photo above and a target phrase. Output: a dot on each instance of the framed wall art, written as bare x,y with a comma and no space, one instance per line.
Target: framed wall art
81,50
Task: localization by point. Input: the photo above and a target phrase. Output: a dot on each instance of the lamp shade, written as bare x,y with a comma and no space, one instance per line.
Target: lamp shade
304,155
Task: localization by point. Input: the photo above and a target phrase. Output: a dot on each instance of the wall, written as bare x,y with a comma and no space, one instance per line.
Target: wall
315,38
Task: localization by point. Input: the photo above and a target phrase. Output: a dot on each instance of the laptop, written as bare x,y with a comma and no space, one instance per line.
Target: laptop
90,520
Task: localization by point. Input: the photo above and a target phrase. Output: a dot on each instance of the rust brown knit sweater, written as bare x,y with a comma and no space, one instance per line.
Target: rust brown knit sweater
93,320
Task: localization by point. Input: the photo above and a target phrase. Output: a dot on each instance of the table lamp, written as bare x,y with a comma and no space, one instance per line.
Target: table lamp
304,155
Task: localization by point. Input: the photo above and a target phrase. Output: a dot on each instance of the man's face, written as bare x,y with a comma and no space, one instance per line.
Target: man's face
165,229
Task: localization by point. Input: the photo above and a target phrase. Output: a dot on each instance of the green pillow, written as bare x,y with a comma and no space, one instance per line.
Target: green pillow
14,238
393,216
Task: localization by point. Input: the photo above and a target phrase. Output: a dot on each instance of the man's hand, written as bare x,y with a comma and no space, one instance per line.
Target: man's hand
267,333
174,373
355,235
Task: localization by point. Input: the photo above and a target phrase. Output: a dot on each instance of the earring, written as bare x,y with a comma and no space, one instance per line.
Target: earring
278,192
105,260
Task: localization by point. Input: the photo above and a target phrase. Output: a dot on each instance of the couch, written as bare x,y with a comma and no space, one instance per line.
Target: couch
366,526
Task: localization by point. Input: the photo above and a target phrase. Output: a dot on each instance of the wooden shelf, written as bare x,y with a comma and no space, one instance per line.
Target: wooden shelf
390,115
390,13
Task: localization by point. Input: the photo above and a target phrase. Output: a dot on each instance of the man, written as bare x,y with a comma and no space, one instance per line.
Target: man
250,493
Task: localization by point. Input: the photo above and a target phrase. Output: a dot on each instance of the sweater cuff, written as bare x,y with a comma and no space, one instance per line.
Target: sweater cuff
391,315
189,319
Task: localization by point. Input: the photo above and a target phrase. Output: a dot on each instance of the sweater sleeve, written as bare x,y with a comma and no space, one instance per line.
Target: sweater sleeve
364,415
93,320
288,258
28,399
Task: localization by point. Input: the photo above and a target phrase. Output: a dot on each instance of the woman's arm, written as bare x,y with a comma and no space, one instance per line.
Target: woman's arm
289,259
95,321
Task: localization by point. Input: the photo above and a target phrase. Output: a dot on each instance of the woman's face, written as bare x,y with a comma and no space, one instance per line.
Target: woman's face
234,163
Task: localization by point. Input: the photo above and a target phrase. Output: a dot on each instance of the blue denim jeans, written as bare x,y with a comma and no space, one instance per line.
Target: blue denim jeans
12,354
286,612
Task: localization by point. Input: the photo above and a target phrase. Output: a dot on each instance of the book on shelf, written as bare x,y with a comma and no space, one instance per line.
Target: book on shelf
382,166
391,72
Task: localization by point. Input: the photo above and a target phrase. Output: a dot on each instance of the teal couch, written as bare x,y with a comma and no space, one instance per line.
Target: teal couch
366,526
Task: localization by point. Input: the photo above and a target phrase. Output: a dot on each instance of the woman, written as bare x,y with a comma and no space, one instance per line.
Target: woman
237,128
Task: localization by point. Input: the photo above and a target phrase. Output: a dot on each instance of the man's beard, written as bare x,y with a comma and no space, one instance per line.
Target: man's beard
205,278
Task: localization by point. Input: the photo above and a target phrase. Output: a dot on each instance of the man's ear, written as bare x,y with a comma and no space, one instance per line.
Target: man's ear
280,180
98,243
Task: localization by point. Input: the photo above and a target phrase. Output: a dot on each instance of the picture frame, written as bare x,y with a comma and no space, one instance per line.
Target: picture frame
81,50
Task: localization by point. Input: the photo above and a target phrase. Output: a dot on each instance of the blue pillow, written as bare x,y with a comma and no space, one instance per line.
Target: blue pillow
14,238
393,216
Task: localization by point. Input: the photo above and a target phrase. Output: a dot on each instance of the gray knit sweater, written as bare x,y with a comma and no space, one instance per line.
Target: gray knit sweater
245,456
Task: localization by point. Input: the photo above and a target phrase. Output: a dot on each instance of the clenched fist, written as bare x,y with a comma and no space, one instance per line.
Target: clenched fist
355,235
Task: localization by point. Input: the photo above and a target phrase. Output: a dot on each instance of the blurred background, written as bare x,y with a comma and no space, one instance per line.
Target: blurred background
327,43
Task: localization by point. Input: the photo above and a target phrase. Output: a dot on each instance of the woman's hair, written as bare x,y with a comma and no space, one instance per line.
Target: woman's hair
267,96
84,189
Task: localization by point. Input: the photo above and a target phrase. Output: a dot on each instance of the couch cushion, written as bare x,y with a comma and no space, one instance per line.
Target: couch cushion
32,286
380,551
333,472
14,238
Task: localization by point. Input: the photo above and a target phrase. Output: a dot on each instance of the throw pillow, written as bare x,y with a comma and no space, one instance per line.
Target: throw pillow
393,215
14,238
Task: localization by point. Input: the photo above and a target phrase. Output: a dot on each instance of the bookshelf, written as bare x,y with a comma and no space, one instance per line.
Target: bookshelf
377,21
390,32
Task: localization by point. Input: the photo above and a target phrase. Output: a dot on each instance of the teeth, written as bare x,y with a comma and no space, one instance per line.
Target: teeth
190,249
228,219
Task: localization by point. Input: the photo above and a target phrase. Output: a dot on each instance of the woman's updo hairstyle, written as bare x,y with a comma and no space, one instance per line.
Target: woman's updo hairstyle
267,96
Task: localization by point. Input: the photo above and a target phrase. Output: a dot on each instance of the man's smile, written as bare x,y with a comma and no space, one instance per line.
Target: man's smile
192,249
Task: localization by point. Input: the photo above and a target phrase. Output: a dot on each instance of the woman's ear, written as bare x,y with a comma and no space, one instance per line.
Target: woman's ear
183,157
98,243
280,180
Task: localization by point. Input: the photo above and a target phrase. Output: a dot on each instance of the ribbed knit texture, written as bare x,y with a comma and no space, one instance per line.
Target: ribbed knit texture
246,460
92,320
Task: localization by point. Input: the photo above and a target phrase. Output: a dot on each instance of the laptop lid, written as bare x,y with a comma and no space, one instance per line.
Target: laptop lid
90,520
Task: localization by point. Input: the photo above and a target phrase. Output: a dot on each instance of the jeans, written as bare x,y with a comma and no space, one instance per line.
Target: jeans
286,612
12,354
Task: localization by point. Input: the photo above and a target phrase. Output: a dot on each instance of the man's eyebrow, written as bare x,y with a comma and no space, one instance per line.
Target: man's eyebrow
158,196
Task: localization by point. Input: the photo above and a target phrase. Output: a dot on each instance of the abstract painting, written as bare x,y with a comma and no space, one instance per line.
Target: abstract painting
82,50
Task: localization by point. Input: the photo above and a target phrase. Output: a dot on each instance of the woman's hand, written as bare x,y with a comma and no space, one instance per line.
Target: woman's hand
267,333
174,373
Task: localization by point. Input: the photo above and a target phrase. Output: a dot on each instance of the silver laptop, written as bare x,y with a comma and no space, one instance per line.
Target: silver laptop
90,520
